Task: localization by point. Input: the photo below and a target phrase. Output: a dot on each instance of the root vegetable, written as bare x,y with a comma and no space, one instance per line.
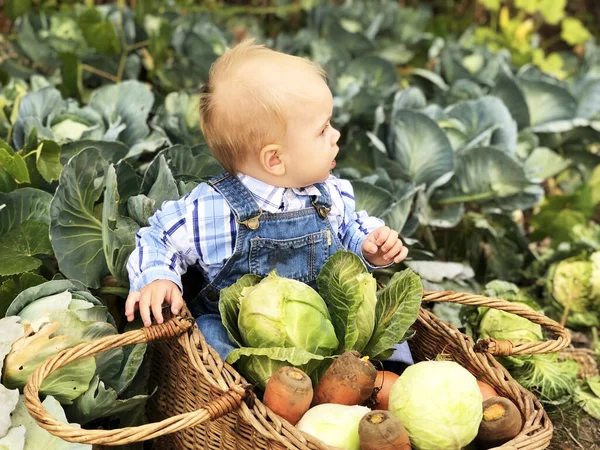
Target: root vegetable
501,422
289,393
383,385
381,430
348,381
487,391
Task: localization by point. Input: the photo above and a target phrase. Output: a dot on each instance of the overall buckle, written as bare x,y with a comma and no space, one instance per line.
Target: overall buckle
252,223
322,210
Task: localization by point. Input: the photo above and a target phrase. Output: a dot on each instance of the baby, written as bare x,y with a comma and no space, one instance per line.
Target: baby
266,118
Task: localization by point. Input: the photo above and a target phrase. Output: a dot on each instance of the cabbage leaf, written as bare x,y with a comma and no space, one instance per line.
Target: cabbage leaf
229,305
349,291
258,364
398,305
28,352
75,228
101,401
14,439
8,402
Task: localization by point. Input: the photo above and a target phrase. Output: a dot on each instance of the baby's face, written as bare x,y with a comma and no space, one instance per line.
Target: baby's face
310,144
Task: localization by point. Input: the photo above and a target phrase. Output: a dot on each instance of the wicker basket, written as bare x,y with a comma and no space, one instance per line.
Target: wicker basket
203,403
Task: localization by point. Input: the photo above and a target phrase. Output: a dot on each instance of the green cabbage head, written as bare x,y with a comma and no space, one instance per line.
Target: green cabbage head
571,284
281,312
439,403
575,283
501,325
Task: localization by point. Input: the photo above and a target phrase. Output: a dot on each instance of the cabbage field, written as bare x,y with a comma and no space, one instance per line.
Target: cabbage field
472,128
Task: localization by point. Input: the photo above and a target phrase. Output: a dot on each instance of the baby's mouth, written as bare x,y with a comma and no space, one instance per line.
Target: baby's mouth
333,164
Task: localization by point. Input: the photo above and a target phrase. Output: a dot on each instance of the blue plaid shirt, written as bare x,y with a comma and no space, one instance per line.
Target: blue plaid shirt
201,229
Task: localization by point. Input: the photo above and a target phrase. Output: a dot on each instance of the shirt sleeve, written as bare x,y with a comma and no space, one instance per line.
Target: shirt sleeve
355,225
164,249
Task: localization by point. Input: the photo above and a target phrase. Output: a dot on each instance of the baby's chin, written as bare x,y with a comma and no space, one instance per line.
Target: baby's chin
325,178
316,180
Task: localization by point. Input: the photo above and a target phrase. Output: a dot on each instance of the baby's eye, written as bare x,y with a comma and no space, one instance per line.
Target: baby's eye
325,128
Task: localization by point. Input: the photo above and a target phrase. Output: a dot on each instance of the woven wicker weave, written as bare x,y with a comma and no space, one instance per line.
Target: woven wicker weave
585,359
200,400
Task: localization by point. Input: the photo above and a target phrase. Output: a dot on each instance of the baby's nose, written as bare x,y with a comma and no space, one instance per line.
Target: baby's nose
335,136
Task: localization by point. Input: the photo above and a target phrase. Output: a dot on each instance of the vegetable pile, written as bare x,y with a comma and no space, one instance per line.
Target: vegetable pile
317,372
280,322
432,405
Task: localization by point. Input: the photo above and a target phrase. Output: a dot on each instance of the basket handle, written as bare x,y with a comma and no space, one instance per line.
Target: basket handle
227,402
506,348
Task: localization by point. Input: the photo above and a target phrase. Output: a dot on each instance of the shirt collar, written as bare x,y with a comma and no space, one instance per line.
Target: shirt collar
269,197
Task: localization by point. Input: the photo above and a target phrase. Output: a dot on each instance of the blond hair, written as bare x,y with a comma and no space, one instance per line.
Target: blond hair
239,114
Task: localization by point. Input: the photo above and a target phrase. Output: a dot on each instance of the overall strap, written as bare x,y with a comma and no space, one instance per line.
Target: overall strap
322,203
239,198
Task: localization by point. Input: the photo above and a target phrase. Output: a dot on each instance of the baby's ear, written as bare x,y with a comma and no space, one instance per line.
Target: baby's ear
270,160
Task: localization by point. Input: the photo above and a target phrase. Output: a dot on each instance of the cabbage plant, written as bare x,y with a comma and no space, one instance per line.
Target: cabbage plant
179,117
502,325
483,322
549,376
18,430
60,314
574,286
25,433
114,113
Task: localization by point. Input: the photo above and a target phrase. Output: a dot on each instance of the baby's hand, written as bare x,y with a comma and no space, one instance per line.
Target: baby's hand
151,297
382,246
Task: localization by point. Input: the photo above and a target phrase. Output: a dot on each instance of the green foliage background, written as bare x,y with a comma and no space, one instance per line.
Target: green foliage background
472,128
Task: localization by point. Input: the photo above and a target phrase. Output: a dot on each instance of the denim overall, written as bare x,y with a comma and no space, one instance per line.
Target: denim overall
296,244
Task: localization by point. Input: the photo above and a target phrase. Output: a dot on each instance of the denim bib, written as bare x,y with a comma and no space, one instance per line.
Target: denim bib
296,244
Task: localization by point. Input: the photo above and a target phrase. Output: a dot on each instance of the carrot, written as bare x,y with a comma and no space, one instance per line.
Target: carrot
487,391
381,430
383,385
348,381
289,393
